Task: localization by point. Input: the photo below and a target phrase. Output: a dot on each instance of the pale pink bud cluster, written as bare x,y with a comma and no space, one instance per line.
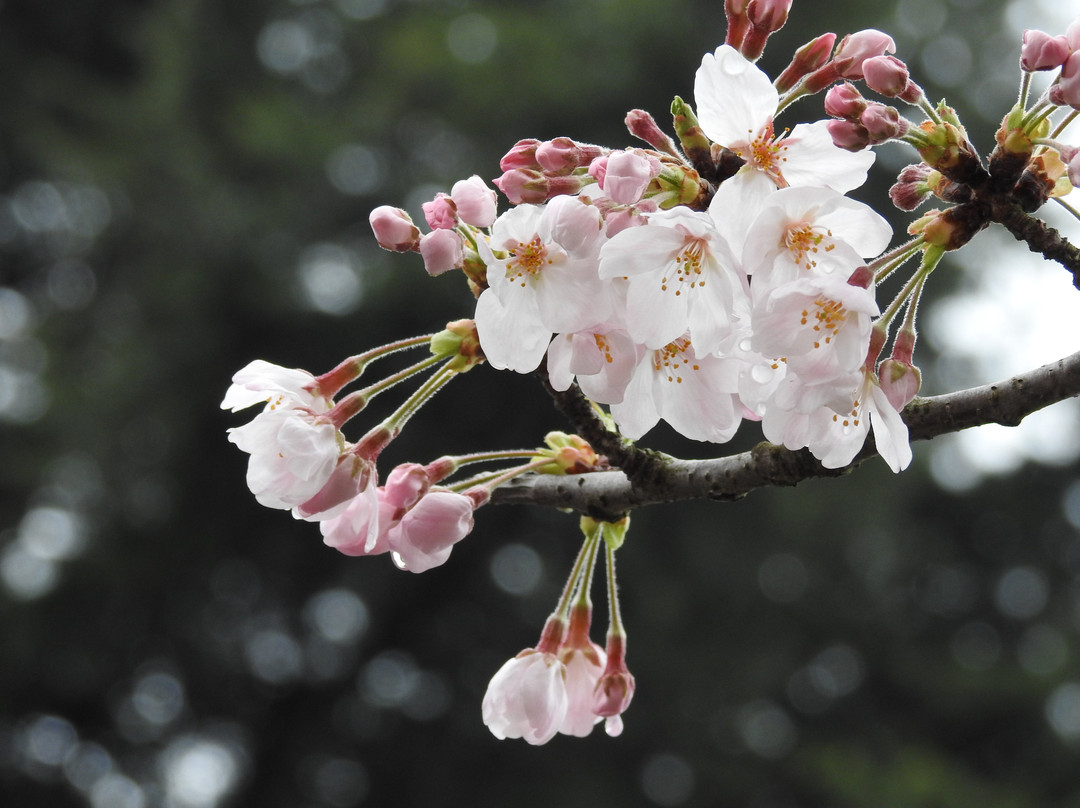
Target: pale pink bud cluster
859,123
565,685
848,59
470,204
408,516
535,171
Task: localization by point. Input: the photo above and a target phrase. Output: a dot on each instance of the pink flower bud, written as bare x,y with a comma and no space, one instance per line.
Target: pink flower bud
768,15
807,59
476,203
1071,156
765,17
900,381
626,175
405,485
844,101
523,185
1040,51
1066,92
615,688
521,155
882,123
848,135
562,155
440,212
911,188
854,49
643,126
532,187
429,530
886,75
394,229
1072,35
737,22
442,251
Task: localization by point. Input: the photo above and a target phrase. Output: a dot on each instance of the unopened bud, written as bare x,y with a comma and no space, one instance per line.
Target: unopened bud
886,75
442,251
521,155
911,188
1040,51
476,203
696,146
845,101
882,123
562,155
737,22
459,340
900,381
643,126
394,229
854,49
766,17
1066,91
848,135
624,175
441,212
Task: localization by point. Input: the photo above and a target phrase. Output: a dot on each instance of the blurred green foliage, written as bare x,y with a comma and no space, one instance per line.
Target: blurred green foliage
185,187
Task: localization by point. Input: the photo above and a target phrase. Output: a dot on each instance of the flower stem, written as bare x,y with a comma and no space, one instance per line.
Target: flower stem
1061,127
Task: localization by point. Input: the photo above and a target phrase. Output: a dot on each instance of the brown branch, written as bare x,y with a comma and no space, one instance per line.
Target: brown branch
1039,236
611,493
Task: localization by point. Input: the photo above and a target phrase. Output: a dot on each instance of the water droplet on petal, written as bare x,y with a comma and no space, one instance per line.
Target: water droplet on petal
761,373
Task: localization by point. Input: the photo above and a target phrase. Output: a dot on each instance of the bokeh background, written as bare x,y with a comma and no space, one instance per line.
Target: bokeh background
184,186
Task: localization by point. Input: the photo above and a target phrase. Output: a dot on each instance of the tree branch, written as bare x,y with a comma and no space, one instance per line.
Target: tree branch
607,495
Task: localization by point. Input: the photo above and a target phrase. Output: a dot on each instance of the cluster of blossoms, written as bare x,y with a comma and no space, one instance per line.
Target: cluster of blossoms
716,277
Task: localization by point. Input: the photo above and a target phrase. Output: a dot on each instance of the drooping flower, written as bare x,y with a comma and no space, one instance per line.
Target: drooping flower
527,696
423,536
584,661
293,453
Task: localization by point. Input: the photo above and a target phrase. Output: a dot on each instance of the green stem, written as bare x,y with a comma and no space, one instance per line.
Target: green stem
1025,87
615,628
397,420
1034,115
493,479
928,108
1061,127
563,609
400,376
931,258
887,263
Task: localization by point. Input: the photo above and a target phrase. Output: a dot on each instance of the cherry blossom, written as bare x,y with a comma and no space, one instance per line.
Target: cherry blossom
736,104
527,697
695,393
682,276
542,276
423,536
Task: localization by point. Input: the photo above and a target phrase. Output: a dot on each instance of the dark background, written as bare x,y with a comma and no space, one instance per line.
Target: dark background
184,186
